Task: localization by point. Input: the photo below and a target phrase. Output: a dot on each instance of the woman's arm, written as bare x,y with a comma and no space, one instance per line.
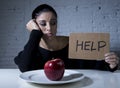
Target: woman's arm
23,60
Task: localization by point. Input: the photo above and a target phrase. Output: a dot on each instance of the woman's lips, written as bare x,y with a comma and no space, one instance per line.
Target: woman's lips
49,34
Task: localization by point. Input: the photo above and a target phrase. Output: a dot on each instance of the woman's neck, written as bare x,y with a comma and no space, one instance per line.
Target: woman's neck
49,43
54,43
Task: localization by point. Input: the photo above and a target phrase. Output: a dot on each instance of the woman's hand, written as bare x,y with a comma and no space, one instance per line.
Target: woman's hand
32,25
112,59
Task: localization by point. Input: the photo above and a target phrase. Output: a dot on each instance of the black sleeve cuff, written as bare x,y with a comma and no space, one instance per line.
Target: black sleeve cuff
114,69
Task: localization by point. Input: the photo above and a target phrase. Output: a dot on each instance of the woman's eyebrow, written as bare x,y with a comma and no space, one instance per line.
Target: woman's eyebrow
41,20
53,19
45,21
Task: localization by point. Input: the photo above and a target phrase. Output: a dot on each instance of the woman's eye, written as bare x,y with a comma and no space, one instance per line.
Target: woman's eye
53,23
43,24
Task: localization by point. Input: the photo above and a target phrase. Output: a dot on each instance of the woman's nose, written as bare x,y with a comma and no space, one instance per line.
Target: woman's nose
48,27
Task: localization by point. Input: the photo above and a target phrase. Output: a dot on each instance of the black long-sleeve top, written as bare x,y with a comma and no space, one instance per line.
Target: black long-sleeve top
33,57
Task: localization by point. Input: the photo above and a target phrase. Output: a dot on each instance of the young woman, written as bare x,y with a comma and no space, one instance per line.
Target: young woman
43,45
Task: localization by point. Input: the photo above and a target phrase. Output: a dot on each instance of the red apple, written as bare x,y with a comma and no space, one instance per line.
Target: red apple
54,69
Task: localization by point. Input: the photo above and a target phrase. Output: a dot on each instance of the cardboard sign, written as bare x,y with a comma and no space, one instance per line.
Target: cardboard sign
90,46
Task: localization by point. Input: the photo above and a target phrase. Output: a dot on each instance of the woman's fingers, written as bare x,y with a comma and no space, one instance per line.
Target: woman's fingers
111,59
32,25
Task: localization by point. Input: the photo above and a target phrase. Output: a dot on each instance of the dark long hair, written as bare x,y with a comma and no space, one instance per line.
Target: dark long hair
42,8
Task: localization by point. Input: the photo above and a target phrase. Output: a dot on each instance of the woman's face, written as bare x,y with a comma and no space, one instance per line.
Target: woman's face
47,23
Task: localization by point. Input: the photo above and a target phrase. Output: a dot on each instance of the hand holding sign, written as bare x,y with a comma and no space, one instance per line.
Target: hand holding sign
112,59
90,46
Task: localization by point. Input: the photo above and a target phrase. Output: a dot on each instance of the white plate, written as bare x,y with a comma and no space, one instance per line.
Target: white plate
38,76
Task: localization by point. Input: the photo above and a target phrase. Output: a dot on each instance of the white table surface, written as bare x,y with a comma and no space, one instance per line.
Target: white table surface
9,78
